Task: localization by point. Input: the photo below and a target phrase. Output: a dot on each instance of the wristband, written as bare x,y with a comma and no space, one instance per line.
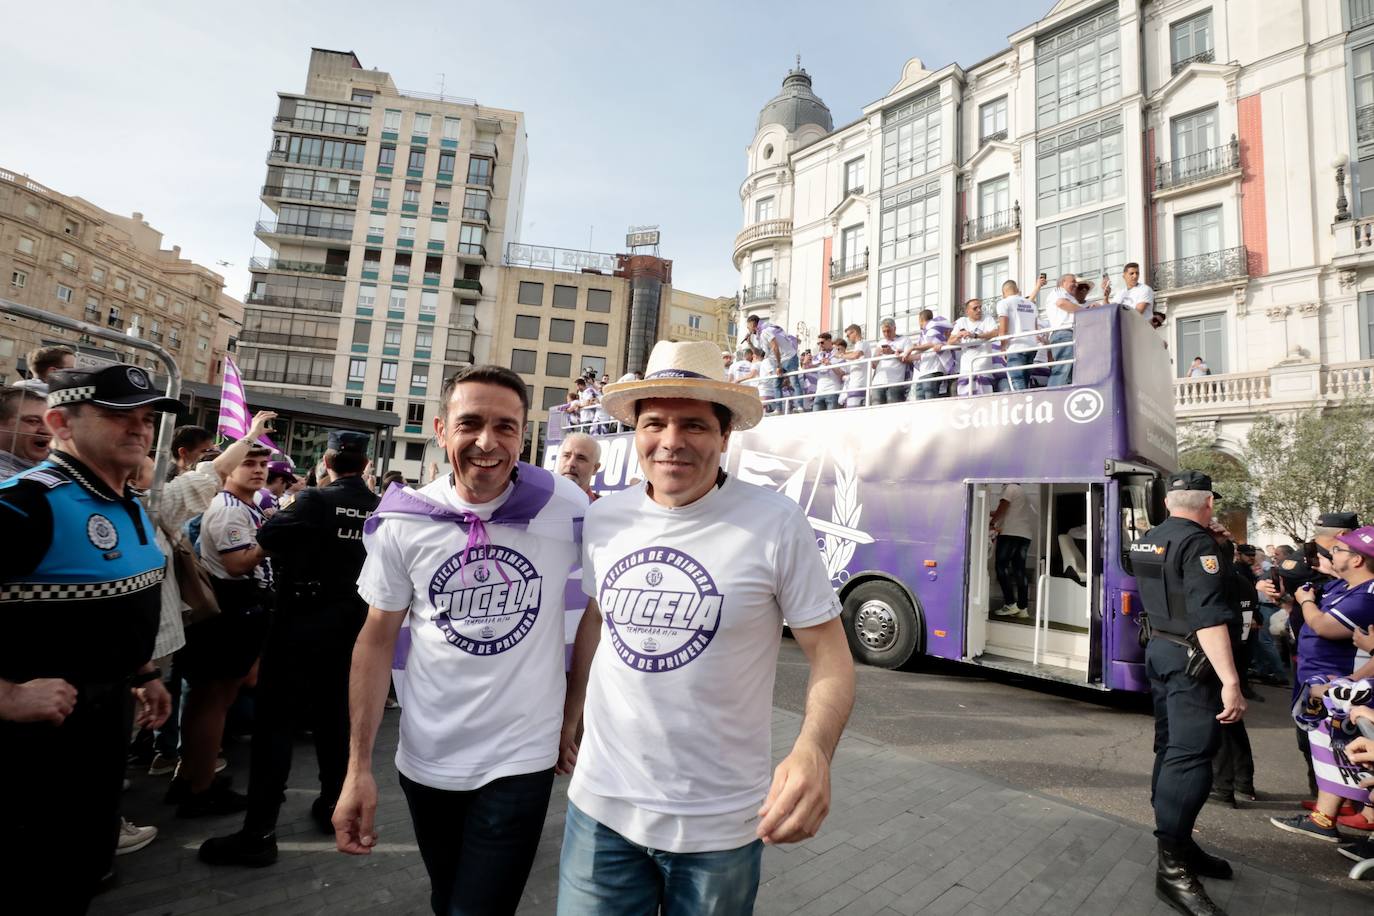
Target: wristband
138,680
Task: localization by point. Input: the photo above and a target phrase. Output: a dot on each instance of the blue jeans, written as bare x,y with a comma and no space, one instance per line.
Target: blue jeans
1019,378
826,402
890,394
922,390
1061,375
1264,655
478,846
603,874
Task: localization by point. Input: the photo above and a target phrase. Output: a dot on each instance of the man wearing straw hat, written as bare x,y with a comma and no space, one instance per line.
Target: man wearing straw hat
693,573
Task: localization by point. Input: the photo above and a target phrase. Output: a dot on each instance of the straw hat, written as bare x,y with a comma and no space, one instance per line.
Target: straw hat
690,370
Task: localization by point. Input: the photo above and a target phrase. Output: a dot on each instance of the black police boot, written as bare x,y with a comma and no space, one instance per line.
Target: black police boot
1178,886
1206,865
322,813
253,850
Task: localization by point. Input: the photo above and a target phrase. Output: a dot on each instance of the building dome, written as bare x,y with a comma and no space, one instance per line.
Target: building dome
796,105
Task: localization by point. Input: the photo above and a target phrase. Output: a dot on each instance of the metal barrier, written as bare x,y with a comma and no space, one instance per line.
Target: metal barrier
796,403
168,422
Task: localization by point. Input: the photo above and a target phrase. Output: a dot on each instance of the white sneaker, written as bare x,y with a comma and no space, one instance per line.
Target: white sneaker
1005,611
132,838
1018,612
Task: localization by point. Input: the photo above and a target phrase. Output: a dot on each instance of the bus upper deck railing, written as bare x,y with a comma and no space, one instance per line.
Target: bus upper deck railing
992,363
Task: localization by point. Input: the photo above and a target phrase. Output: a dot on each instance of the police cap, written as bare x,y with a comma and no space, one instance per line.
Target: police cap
342,440
113,387
1192,480
1347,520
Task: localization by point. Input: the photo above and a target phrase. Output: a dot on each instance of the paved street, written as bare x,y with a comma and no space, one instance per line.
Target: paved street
907,834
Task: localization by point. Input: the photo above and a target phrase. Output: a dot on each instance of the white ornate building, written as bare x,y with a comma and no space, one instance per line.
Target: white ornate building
1206,139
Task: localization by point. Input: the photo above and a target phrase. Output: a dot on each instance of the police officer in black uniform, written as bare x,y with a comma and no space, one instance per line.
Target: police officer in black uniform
80,595
1233,767
1193,680
316,544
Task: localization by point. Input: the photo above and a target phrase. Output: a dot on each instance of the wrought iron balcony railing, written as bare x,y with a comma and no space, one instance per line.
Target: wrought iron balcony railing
1202,269
296,302
1203,57
116,323
762,292
1200,166
855,265
994,224
307,267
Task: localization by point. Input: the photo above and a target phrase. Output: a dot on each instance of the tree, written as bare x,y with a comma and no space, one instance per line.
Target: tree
1230,478
1310,463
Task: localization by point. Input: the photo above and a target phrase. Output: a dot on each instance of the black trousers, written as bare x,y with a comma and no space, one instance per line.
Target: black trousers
59,793
1233,768
1010,560
1305,745
1187,735
303,676
478,846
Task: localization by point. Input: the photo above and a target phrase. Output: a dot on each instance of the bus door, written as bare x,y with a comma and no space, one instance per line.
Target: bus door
1058,635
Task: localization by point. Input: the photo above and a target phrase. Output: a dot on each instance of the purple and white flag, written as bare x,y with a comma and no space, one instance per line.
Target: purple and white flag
234,421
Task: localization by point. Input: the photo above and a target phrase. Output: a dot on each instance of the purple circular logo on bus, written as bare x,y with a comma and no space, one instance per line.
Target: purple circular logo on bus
487,601
662,608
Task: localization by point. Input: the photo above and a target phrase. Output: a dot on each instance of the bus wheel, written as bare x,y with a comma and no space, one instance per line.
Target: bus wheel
881,624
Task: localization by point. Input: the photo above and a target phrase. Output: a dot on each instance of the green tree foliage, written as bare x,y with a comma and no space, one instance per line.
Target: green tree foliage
1229,476
1310,463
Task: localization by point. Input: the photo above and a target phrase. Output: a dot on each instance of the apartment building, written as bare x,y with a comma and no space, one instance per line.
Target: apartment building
385,213
695,317
68,256
1226,146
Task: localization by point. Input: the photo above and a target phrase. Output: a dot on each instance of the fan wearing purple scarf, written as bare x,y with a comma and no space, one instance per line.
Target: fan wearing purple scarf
464,580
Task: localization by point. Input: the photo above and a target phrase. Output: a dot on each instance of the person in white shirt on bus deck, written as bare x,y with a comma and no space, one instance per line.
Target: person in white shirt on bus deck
744,367
929,352
830,373
776,344
889,373
858,351
1017,314
1013,523
1136,295
587,415
671,802
977,356
1063,305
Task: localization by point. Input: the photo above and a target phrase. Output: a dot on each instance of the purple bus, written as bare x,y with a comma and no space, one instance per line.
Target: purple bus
900,498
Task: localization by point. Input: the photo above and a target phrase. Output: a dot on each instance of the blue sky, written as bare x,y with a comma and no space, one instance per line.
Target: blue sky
637,113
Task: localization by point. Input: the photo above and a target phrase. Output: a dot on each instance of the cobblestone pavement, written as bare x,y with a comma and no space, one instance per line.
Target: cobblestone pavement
903,837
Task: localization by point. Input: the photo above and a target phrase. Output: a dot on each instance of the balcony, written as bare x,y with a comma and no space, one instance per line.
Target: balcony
268,227
995,137
1364,123
93,315
116,323
760,293
311,194
1201,57
287,340
472,252
480,180
1199,169
852,267
984,230
471,285
333,162
283,377
1202,271
760,234
155,336
484,148
481,216
297,302
1303,385
303,267
321,127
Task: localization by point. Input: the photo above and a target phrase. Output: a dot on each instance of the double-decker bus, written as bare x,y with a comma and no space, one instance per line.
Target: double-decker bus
900,497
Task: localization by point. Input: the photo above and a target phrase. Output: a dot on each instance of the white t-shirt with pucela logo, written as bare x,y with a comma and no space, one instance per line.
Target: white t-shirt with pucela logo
676,752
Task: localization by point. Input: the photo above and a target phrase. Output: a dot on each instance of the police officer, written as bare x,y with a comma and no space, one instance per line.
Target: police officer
317,551
1182,578
80,594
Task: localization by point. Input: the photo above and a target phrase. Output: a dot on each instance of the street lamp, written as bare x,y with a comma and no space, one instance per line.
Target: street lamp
1342,204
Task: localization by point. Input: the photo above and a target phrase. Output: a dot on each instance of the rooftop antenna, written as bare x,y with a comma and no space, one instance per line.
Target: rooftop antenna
441,87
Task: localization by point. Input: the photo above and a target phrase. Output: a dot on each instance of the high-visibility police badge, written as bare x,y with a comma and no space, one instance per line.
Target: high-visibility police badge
1210,565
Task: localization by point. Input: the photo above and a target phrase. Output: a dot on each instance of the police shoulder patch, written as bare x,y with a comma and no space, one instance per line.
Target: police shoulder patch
1210,565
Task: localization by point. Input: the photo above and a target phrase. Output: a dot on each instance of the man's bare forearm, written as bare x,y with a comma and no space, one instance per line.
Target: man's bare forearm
830,689
1216,643
367,683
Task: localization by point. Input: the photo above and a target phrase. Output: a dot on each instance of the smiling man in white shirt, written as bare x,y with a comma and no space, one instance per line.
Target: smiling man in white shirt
464,580
695,572
1063,305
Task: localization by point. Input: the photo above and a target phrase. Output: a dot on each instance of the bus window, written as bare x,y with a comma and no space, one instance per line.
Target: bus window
1139,513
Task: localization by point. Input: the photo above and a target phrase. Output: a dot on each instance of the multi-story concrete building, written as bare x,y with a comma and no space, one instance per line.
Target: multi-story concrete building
1226,146
66,255
695,317
389,211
